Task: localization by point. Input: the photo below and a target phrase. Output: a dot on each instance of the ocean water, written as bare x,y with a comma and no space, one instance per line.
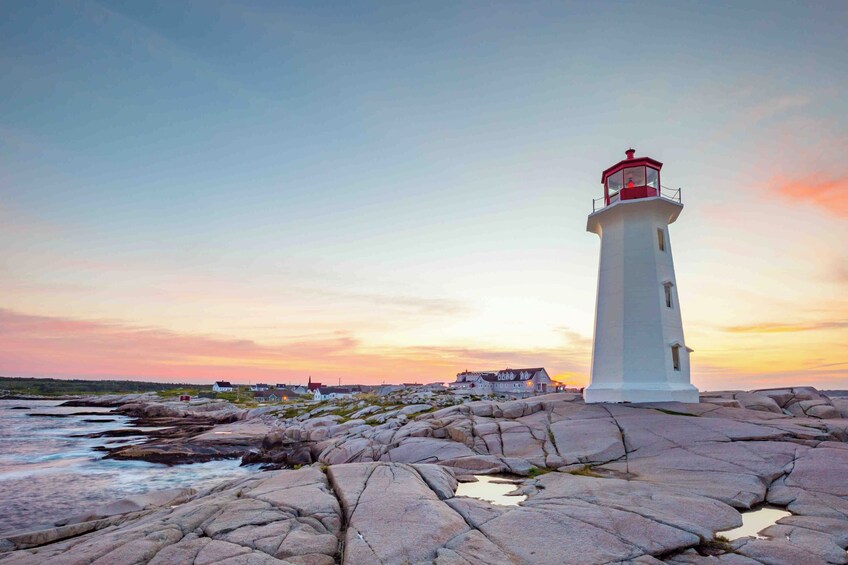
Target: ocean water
47,474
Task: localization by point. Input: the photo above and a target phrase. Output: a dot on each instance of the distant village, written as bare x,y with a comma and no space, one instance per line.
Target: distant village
504,383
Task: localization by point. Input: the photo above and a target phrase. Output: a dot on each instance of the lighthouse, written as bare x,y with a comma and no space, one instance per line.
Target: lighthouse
639,353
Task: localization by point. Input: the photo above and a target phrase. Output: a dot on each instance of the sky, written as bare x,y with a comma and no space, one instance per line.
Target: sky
367,192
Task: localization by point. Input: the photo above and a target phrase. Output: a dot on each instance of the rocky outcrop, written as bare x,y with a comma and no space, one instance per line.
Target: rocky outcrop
637,483
398,513
186,441
180,432
282,517
308,517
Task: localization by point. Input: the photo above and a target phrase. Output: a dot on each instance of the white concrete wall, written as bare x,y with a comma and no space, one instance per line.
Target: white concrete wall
634,329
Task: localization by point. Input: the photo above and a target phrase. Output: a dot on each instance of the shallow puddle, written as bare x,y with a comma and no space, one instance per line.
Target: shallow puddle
491,489
755,521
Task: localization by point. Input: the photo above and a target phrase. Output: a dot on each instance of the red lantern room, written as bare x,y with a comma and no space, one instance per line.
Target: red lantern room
634,177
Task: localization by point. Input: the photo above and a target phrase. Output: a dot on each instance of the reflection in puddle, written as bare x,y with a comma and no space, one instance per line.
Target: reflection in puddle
755,521
491,489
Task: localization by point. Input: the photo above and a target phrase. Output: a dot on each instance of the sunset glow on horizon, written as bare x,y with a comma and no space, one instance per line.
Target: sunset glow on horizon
372,193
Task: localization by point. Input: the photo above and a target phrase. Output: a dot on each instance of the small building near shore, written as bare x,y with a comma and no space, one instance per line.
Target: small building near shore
222,386
259,387
266,396
506,382
286,393
330,392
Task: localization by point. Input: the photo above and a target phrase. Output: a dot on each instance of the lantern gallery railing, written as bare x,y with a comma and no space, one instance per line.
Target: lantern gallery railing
673,194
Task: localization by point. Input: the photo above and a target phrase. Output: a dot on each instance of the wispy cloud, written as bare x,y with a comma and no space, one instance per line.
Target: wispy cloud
780,327
826,365
411,304
573,338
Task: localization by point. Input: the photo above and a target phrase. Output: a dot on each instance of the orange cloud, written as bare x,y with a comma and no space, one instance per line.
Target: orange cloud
64,347
829,193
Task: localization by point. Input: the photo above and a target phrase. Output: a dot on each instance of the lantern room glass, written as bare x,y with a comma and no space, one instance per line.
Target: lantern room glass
615,182
653,178
634,176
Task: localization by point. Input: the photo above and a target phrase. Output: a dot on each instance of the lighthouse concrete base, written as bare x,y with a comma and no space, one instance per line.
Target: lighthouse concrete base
641,392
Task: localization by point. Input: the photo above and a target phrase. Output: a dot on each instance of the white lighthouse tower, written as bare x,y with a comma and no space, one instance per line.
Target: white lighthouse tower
639,354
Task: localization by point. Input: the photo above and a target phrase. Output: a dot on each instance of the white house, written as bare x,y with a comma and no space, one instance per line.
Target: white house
259,387
222,386
638,353
330,392
509,382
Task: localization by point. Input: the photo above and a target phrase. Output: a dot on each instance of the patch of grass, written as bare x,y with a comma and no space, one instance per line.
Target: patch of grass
428,411
288,413
177,392
375,400
343,412
585,471
296,409
537,471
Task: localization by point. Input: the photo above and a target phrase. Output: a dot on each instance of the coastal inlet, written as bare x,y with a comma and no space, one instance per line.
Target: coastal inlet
52,462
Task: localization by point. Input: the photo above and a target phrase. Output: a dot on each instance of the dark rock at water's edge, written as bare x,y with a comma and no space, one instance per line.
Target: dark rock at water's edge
19,408
169,429
106,401
176,454
177,443
277,452
178,425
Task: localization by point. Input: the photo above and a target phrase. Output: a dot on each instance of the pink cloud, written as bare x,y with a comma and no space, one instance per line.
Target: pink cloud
829,193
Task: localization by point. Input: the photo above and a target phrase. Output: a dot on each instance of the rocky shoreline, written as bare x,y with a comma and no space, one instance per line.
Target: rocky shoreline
635,483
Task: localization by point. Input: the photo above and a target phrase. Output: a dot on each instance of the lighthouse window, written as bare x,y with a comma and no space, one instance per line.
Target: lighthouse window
661,239
614,182
653,178
675,357
634,176
667,288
